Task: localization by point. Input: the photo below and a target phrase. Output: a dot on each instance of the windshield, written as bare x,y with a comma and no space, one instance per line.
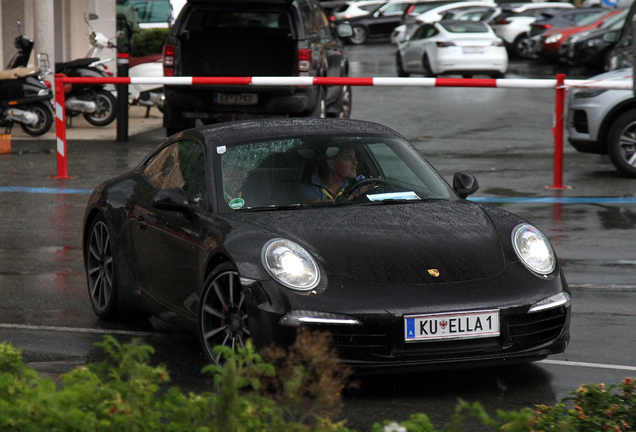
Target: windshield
615,21
310,171
592,19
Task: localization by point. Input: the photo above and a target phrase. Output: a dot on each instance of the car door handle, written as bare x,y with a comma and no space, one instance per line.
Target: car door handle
143,223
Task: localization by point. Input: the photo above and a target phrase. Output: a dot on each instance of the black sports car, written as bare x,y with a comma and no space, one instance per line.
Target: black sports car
251,229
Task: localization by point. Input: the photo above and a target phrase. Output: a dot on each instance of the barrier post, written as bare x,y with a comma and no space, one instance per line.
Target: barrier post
557,182
60,127
122,95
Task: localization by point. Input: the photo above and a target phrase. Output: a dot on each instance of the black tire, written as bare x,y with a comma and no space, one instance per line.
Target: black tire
359,35
106,109
426,67
320,110
400,66
101,270
467,75
522,48
223,317
497,75
621,143
45,120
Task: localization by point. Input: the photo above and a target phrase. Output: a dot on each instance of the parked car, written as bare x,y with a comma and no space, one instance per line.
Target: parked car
447,11
352,9
457,47
591,48
604,121
548,44
406,275
274,39
564,18
621,54
513,24
381,23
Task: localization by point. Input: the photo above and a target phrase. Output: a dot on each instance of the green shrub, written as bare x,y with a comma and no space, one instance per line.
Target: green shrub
148,41
295,390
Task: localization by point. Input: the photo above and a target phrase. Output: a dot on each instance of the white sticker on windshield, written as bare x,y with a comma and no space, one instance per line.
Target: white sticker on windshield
221,149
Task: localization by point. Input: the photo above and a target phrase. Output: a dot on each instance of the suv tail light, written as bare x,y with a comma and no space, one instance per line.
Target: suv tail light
445,44
542,26
304,62
168,60
410,10
503,22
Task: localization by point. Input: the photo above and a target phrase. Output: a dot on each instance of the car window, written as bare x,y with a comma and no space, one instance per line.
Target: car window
207,20
277,172
394,9
424,32
181,164
322,25
591,19
307,17
615,21
465,27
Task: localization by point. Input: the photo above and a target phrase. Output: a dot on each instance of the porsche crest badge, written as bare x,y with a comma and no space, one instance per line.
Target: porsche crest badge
433,272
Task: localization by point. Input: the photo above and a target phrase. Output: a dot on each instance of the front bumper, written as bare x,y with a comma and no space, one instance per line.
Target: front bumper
376,343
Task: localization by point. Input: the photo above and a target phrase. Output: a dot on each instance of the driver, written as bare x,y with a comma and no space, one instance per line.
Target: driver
332,176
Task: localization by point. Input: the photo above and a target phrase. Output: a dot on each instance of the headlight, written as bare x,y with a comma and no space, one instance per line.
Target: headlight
592,42
290,264
533,248
554,38
587,93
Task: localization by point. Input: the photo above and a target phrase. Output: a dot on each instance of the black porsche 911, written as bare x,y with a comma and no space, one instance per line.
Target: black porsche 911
251,229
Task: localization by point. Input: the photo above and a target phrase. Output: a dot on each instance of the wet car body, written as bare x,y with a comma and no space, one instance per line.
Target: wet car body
379,265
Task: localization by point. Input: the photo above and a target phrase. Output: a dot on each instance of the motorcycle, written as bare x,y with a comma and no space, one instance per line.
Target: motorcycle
147,95
25,98
96,104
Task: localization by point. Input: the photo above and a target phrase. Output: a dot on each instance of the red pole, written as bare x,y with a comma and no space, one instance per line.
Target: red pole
60,127
557,182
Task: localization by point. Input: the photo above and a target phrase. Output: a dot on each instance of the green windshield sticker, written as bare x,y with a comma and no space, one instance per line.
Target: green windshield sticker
237,203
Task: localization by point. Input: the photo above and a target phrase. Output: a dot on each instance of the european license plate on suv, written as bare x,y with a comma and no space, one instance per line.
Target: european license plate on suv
235,98
453,325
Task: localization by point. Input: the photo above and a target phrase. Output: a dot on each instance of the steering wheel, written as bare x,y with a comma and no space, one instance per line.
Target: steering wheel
344,196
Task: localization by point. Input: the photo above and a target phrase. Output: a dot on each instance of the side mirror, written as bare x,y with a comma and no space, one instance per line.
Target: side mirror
172,199
610,37
344,30
465,184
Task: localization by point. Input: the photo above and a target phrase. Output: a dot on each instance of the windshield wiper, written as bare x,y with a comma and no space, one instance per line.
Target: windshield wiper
274,207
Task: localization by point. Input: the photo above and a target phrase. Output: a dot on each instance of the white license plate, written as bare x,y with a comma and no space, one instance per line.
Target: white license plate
236,99
453,325
473,50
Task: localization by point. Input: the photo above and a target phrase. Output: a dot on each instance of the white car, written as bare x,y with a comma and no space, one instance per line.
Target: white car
464,10
438,13
357,8
513,24
453,47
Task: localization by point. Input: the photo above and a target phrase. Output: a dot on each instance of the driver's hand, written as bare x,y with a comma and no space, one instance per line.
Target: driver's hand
362,191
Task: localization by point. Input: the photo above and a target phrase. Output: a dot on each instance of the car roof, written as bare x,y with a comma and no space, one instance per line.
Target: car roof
249,130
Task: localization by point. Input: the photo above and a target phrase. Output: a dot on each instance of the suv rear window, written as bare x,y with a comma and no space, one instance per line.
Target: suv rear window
207,20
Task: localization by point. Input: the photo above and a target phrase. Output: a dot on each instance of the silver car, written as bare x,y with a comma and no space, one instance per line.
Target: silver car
604,121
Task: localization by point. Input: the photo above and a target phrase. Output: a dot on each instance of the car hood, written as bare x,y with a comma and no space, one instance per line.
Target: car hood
422,243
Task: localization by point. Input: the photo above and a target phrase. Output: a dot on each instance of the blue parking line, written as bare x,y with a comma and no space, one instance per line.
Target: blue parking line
36,190
487,200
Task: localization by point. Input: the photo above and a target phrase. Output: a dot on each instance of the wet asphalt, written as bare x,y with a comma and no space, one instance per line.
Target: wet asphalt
503,136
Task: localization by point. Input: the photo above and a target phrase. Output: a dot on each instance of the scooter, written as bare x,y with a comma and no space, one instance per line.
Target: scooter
96,104
25,97
148,95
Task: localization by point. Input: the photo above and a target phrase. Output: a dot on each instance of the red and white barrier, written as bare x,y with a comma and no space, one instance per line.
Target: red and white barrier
560,84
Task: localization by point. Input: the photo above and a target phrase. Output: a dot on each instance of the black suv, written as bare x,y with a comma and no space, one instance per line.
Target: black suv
246,38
